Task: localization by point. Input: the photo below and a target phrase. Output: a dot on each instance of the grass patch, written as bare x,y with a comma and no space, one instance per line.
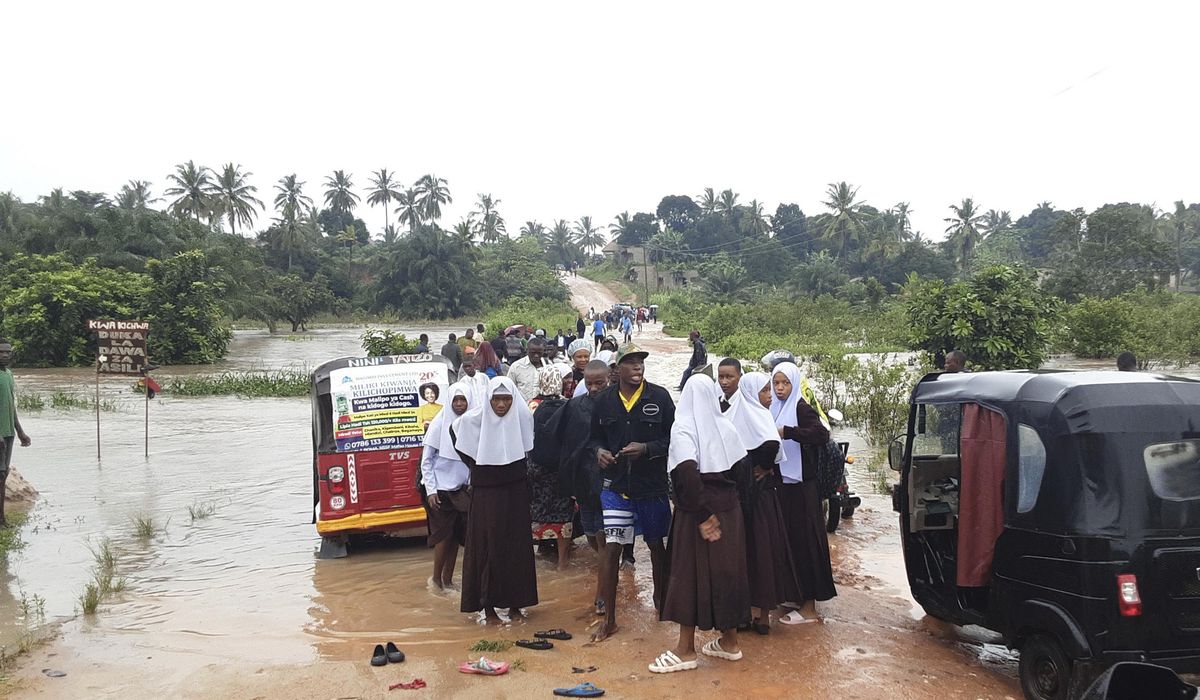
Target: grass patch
144,527
493,646
518,664
89,599
63,401
200,511
277,383
10,537
104,577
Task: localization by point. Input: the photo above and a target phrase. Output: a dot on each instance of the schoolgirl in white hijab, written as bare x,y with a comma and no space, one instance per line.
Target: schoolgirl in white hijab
493,440
754,424
701,433
441,469
784,412
445,477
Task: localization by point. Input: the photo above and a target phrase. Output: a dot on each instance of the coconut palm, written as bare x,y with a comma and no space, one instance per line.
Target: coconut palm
621,225
755,220
708,201
383,192
562,243
135,195
847,223
291,201
588,236
491,224
995,222
348,237
234,197
339,195
409,210
536,231
433,193
193,190
903,220
726,203
464,230
963,233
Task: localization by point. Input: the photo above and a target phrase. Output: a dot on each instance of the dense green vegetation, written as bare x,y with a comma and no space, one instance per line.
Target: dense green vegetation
831,279
244,384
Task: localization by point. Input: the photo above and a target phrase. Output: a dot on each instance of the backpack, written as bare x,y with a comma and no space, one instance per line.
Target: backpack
831,468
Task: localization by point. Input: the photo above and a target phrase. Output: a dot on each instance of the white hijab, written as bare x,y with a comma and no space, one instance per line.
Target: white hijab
753,422
438,434
784,412
701,432
489,439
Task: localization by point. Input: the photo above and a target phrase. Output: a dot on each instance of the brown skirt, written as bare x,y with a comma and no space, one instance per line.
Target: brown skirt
706,581
807,539
498,562
773,578
449,519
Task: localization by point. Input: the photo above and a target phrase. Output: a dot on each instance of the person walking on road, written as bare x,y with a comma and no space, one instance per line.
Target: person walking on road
453,351
699,357
598,330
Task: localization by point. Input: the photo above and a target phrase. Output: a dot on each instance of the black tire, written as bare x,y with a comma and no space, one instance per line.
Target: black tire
833,509
1044,669
847,513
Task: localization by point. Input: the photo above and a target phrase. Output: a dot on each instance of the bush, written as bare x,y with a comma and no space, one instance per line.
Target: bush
378,342
1099,327
184,308
544,313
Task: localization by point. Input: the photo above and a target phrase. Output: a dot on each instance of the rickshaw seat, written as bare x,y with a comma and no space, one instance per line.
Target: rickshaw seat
927,471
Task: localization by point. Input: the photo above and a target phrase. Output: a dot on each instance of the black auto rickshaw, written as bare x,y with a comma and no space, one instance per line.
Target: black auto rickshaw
1060,510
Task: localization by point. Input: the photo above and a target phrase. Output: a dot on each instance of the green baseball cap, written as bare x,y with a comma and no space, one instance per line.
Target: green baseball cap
629,351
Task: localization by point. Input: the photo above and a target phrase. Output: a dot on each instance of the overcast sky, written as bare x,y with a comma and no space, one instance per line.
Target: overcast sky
562,109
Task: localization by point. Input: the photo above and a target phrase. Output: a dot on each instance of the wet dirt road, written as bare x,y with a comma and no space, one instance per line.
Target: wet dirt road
236,605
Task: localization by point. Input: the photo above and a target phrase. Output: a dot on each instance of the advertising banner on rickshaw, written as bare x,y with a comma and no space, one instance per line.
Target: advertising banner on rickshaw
383,407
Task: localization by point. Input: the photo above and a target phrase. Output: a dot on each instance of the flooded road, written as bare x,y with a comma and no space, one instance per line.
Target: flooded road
235,604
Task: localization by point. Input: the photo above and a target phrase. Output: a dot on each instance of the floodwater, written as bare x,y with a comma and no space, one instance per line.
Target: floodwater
236,603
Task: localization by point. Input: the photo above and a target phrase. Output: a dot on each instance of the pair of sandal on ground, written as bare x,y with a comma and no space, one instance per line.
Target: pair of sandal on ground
386,655
541,641
669,661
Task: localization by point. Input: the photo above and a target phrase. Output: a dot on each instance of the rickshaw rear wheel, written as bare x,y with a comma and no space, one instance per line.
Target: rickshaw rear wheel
832,509
1044,669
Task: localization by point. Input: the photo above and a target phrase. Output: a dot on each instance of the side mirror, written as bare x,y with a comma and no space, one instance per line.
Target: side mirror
896,453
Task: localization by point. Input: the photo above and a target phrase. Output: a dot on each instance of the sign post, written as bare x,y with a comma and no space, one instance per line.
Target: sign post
120,349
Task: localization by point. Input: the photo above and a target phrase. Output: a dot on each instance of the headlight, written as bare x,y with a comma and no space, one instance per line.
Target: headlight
337,473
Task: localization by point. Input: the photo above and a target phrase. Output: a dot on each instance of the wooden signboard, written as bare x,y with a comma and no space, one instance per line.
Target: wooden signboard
120,345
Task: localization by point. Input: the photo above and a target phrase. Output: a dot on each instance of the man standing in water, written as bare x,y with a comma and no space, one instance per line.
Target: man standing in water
630,435
10,425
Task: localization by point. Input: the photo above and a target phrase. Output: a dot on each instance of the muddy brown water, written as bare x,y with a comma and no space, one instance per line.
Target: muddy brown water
243,586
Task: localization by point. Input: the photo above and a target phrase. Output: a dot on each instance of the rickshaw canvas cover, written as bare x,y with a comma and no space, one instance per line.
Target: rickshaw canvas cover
380,407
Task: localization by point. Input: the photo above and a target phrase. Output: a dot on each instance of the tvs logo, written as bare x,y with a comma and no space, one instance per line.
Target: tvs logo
650,409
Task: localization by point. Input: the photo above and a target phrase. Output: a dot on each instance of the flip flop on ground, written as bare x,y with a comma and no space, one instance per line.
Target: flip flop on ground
713,648
795,618
559,634
668,662
484,667
583,690
535,644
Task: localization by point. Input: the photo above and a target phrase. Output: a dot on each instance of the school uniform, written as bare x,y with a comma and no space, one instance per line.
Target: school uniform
444,473
498,567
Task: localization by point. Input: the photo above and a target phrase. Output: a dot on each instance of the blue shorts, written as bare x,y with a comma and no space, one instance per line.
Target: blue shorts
590,519
624,517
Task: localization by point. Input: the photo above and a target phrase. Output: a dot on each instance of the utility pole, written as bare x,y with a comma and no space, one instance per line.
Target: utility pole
646,274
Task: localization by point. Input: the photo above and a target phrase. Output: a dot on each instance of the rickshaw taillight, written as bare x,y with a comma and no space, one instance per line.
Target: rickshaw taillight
336,475
1129,600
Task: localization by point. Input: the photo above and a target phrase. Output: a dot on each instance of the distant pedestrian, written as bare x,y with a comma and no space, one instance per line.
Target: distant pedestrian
487,362
524,372
699,357
453,351
580,326
627,328
598,331
956,361
10,425
422,344
1126,362
468,340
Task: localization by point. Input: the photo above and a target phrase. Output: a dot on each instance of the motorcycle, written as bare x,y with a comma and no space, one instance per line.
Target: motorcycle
841,501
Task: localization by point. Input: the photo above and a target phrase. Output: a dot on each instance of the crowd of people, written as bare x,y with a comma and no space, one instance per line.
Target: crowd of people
567,435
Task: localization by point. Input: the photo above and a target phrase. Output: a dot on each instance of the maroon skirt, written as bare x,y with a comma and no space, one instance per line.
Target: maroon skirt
773,578
498,569
449,519
706,581
807,540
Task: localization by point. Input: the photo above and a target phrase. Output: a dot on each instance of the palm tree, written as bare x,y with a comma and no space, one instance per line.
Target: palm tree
588,236
562,243
290,200
464,230
622,225
726,203
708,201
1182,225
338,194
135,195
349,237
193,190
409,210
383,191
995,222
433,193
536,231
235,198
756,220
848,221
885,235
963,231
903,220
491,224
